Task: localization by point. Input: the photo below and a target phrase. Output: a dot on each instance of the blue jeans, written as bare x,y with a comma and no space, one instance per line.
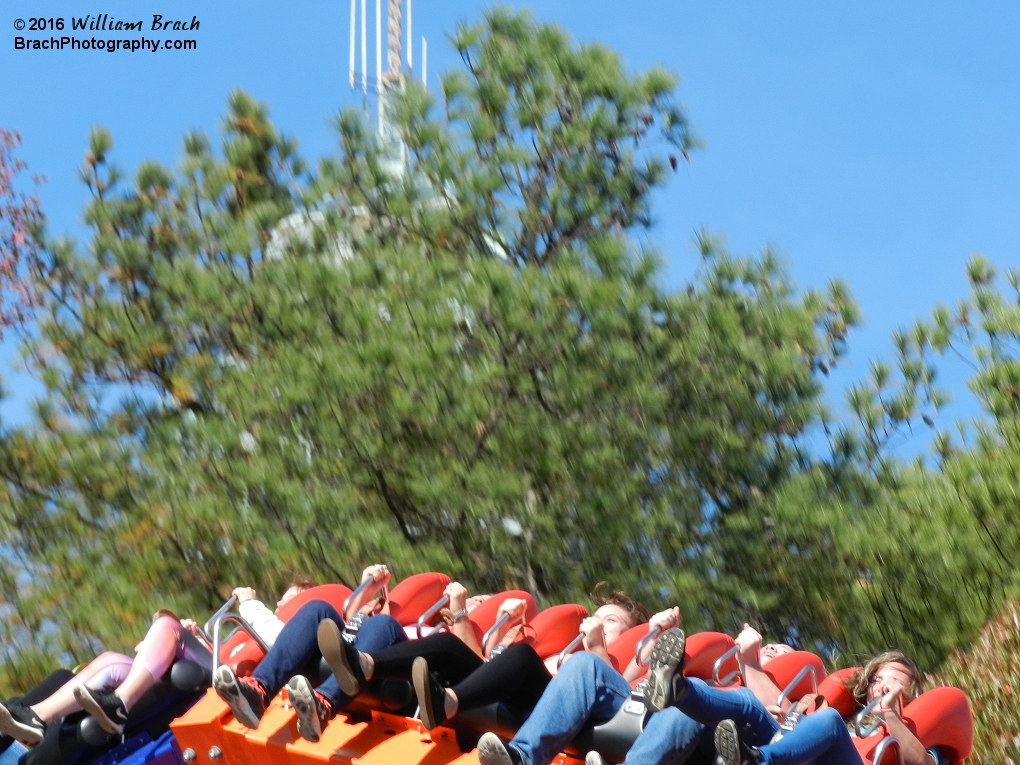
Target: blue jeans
296,649
668,738
12,754
585,689
821,736
710,706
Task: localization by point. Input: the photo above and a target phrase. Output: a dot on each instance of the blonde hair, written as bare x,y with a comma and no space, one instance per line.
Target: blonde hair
860,680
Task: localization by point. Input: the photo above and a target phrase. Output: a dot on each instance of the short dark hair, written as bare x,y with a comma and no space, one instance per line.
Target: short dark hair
637,612
302,582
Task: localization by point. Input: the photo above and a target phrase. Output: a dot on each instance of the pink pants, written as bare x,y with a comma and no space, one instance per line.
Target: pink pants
103,673
165,642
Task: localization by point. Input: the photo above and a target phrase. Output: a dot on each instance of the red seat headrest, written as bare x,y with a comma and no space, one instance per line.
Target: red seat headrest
484,616
782,669
834,692
942,717
555,627
621,650
413,596
701,651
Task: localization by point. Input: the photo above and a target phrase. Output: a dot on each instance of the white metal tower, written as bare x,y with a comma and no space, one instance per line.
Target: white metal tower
383,84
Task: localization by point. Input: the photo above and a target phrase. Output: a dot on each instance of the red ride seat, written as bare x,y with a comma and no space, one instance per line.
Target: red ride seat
783,669
834,691
413,596
621,650
701,651
555,627
484,616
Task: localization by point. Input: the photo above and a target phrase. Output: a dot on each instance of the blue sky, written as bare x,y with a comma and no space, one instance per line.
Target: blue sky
870,141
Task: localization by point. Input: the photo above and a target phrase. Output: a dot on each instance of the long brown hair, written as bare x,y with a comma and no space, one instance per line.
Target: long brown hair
859,681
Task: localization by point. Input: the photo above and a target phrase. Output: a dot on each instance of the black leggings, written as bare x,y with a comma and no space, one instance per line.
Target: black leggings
446,654
517,677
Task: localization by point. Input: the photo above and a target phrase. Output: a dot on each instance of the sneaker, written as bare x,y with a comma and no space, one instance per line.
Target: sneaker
21,723
245,697
105,706
342,658
313,711
666,660
492,751
594,758
729,747
431,693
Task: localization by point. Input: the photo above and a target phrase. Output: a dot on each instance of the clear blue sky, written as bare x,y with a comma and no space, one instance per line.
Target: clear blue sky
872,141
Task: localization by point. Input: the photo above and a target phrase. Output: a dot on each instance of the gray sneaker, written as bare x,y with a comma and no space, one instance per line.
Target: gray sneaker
313,711
730,749
667,660
246,699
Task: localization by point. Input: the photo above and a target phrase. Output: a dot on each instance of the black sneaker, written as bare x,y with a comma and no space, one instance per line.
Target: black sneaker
21,723
731,750
666,661
313,711
342,658
105,706
594,758
492,751
245,697
431,693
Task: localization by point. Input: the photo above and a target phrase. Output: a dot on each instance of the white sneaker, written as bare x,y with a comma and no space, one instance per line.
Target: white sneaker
492,751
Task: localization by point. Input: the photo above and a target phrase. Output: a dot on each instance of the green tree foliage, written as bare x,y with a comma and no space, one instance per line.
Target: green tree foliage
863,551
469,365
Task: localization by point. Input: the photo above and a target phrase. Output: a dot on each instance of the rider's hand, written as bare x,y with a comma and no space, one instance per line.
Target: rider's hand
776,712
748,644
665,620
378,572
890,703
190,625
593,635
457,593
244,593
512,606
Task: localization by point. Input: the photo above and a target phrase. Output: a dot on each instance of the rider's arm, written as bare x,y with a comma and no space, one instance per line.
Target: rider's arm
595,638
912,749
462,626
258,615
748,643
380,573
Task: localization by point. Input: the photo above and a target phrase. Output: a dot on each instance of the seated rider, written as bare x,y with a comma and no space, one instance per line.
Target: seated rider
112,683
296,654
456,653
586,688
672,734
518,675
823,736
